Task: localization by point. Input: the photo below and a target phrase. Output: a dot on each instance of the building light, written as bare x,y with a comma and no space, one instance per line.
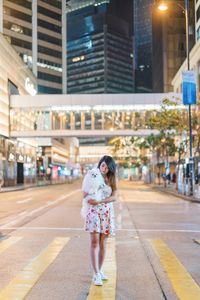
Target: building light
11,157
30,87
28,159
20,157
27,59
16,28
75,59
71,108
47,66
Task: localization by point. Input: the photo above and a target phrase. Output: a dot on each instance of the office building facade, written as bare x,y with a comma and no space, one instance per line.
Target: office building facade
143,46
33,28
169,43
99,51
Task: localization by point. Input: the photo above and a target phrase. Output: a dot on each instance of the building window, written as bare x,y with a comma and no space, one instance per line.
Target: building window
54,3
49,13
23,3
12,88
49,26
49,39
17,28
21,43
48,90
49,51
49,77
198,33
198,14
17,14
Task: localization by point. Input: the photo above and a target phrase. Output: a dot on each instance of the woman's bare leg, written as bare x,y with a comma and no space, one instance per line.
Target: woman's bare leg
102,250
94,251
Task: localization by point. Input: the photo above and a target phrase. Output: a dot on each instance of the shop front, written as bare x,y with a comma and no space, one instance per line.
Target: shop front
17,160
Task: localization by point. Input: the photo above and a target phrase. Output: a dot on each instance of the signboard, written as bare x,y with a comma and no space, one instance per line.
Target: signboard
30,87
189,87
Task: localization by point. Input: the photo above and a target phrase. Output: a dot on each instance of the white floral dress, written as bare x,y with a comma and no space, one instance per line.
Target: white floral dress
100,218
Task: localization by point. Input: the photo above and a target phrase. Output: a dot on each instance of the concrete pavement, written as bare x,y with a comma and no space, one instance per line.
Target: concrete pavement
45,251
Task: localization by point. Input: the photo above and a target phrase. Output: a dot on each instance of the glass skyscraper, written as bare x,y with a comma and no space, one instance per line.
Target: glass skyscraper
143,45
100,47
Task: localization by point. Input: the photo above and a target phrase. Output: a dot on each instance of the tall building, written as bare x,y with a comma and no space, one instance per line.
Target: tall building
197,19
33,28
169,43
17,156
143,45
194,56
100,47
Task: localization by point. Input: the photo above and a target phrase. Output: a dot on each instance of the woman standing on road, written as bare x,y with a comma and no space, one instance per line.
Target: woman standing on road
100,218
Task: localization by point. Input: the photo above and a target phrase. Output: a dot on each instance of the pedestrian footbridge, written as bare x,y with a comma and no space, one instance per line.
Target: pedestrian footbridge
84,115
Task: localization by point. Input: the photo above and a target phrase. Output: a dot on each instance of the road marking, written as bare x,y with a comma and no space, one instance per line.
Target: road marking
108,290
184,285
5,244
44,228
30,213
81,229
24,201
20,286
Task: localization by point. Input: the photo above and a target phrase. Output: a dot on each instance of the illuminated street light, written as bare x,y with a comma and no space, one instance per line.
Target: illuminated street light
163,6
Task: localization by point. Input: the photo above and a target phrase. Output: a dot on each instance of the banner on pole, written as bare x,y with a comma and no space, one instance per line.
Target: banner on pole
189,87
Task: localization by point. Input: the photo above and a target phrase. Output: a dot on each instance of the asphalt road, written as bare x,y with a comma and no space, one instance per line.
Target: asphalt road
44,251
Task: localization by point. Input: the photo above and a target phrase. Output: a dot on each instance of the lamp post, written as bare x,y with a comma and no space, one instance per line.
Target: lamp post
163,7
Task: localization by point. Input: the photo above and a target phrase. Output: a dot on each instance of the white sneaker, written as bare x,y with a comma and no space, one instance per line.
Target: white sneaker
97,279
103,276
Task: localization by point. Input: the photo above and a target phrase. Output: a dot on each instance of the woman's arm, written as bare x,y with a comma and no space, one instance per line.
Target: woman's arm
112,198
90,201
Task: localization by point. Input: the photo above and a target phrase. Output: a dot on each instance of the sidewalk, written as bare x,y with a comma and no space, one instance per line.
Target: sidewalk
170,188
33,185
21,187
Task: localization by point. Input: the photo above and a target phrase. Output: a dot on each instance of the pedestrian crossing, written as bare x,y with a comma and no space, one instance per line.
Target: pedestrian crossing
184,286
110,267
19,287
5,244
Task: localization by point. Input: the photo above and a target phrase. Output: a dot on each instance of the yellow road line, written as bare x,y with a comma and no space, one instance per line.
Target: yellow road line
20,286
184,285
108,290
5,244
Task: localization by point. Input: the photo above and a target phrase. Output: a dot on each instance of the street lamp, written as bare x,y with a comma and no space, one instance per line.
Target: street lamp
163,7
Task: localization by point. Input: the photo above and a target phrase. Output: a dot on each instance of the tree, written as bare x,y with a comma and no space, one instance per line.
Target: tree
170,122
124,148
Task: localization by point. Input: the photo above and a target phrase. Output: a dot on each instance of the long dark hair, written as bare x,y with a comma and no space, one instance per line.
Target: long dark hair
111,175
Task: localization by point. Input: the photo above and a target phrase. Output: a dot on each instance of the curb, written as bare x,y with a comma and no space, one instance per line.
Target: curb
183,197
14,189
